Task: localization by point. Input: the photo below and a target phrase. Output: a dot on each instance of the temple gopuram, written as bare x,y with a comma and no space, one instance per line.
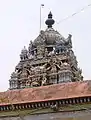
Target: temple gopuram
48,60
47,83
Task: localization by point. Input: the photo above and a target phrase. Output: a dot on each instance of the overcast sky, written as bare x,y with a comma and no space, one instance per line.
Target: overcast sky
19,23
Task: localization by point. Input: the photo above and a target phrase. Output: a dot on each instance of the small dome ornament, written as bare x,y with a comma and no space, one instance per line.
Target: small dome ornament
49,21
14,75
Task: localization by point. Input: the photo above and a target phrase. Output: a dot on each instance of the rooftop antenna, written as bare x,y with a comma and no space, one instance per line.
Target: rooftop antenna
41,6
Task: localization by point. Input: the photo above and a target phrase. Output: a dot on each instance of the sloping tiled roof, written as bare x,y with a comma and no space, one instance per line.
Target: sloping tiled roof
44,93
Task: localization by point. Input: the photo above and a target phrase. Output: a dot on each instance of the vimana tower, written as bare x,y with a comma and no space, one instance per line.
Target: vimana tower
48,60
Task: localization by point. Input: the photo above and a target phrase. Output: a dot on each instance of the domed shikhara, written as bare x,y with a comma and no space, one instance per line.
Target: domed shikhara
48,60
49,37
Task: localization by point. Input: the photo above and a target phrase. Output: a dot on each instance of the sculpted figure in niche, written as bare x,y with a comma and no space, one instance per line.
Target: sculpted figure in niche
46,52
35,81
78,74
30,56
52,52
40,52
69,41
14,75
35,54
42,35
57,63
64,63
44,81
31,44
25,71
31,47
28,83
60,48
52,66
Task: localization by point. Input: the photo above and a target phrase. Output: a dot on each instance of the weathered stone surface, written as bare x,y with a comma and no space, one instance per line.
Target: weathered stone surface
82,115
49,55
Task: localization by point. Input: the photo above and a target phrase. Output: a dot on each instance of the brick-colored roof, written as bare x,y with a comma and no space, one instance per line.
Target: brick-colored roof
44,93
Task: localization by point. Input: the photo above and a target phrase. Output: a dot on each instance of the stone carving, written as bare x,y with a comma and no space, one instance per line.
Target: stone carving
78,75
30,56
44,81
24,54
49,59
40,52
46,52
68,42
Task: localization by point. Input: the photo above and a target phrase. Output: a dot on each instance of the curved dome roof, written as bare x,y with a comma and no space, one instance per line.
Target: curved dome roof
49,37
53,37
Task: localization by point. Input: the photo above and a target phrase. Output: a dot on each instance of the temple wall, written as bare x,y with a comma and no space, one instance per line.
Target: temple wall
82,115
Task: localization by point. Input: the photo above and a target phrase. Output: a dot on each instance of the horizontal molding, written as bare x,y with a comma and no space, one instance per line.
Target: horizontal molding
45,104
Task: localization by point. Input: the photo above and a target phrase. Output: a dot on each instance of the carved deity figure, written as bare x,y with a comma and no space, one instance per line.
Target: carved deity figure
30,46
78,74
52,66
40,52
23,73
52,52
46,52
30,56
44,81
69,41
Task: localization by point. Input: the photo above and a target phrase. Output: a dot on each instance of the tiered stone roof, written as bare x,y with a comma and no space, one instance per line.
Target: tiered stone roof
49,59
